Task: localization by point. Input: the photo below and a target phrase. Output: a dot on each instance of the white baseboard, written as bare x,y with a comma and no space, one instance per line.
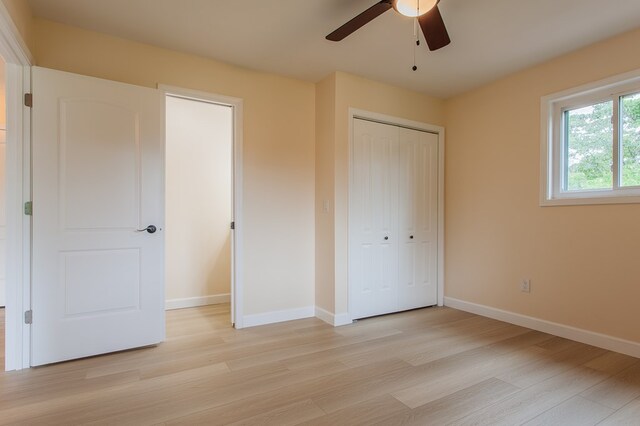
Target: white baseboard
278,316
333,319
604,341
324,315
192,302
342,319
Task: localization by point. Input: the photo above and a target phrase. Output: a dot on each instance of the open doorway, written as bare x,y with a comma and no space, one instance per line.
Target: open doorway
199,204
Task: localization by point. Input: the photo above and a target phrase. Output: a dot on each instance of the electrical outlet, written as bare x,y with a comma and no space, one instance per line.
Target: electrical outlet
525,285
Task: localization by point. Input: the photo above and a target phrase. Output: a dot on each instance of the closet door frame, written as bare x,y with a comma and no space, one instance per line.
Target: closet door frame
355,113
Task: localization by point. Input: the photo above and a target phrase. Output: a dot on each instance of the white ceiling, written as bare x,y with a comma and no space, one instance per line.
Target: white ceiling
490,38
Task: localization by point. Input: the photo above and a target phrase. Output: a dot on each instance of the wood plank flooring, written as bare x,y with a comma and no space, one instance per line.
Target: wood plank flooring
433,366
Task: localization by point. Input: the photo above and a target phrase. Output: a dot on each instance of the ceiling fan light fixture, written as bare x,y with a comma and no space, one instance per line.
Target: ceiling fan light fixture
414,8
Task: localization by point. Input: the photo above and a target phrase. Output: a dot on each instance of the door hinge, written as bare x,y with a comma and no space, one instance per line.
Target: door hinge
28,317
28,100
233,225
28,208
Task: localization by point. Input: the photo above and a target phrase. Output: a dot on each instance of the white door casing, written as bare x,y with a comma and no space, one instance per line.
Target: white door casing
18,62
393,257
98,163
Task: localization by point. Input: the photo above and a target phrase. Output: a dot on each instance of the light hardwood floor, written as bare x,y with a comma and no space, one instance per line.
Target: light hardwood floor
433,366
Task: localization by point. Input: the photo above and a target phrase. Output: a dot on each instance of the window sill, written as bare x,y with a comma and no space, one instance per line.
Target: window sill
590,200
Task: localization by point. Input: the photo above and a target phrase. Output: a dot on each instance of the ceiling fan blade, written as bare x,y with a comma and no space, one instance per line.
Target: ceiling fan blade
434,29
360,20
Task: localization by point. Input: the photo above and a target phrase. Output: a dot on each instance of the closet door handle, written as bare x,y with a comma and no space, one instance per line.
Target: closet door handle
411,237
386,238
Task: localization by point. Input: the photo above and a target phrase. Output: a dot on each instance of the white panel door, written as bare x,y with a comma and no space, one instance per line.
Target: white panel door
373,263
418,221
98,158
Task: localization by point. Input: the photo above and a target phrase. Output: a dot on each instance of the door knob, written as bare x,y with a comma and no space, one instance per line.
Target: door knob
411,237
150,229
386,238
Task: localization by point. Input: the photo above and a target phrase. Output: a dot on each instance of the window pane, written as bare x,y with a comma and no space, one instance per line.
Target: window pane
589,147
630,139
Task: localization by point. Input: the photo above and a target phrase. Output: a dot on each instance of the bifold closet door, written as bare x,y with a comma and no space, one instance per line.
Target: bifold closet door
393,219
373,260
418,219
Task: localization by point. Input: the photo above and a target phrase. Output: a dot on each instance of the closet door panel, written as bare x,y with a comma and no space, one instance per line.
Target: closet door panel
373,266
418,198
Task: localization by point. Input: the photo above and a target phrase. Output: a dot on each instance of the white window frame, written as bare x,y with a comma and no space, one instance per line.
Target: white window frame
552,142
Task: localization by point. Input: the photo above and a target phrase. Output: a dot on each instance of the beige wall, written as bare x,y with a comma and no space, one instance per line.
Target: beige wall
325,214
582,260
198,199
350,91
23,19
279,133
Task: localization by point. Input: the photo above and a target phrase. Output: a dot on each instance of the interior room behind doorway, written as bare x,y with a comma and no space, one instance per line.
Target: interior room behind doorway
198,202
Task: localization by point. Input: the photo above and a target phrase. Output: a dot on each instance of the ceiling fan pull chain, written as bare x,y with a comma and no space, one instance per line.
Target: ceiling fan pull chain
415,46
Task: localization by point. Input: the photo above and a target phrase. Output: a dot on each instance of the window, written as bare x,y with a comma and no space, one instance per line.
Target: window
591,144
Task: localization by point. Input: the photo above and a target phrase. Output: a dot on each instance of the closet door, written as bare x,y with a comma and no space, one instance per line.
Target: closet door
373,256
418,219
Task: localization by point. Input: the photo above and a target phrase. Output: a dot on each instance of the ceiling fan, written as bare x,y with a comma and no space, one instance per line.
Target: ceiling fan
426,11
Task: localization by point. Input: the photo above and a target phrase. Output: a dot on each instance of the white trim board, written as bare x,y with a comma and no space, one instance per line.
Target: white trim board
18,60
12,46
604,341
193,302
333,319
18,190
278,316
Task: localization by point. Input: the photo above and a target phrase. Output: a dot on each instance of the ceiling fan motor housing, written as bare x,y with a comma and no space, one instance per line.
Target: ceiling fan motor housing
413,8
